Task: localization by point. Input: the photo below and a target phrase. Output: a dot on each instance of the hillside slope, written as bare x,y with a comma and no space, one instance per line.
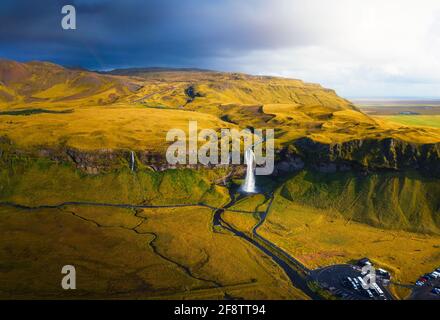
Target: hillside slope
403,202
44,82
43,105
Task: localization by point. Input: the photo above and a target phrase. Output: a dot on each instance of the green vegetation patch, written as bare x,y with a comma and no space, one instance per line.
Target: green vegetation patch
36,182
415,120
29,112
387,200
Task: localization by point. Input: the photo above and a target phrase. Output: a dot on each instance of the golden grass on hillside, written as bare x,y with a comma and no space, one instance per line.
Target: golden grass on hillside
293,108
43,83
89,128
328,125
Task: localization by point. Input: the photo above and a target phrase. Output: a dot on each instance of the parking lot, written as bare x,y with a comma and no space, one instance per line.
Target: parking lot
334,279
427,287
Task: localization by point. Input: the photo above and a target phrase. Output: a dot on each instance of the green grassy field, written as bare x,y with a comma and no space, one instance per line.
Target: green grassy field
166,253
422,113
386,200
415,120
121,254
38,182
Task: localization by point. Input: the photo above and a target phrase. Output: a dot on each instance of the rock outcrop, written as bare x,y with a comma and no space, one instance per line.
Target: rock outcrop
365,155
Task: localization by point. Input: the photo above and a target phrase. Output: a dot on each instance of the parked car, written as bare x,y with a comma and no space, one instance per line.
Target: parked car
436,290
369,293
383,273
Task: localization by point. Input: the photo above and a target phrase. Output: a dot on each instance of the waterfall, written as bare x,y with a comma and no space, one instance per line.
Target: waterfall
132,160
249,181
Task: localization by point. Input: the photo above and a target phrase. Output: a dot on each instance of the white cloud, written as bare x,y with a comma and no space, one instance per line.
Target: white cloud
376,48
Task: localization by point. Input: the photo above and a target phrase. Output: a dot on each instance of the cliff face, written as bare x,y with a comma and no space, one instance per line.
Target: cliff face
95,162
365,155
102,161
357,156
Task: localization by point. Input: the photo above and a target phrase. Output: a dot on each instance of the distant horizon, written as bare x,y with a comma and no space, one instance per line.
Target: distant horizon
391,98
196,68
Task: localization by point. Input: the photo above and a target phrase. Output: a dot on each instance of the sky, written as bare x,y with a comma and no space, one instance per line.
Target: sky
360,48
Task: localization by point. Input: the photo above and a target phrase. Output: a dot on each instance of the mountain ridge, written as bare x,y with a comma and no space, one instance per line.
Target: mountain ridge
92,111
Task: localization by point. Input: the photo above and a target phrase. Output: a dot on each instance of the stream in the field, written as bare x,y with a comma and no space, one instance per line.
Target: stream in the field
279,256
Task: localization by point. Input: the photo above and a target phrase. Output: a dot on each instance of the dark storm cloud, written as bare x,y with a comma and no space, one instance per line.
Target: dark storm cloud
357,47
134,33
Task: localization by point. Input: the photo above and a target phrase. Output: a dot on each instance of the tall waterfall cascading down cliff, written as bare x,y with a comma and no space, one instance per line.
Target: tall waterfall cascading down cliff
249,181
132,160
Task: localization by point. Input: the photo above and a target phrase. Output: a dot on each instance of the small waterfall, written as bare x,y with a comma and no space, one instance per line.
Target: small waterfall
249,181
132,160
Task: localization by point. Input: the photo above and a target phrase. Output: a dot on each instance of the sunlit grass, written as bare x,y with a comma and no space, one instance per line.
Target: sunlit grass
415,120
